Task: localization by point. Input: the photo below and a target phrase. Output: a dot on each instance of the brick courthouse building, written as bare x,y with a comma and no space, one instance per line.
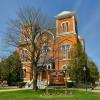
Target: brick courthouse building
58,49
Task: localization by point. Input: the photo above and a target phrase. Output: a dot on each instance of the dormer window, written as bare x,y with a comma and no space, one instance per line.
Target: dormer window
65,26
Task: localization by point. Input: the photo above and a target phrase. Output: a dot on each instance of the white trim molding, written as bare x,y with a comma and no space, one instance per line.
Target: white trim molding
73,17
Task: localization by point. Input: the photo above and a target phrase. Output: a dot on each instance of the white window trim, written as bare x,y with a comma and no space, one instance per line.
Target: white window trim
66,32
25,73
24,66
27,39
22,52
25,49
49,65
66,44
74,31
57,27
62,53
65,59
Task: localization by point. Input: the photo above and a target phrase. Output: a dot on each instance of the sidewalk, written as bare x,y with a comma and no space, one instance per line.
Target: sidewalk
96,89
17,89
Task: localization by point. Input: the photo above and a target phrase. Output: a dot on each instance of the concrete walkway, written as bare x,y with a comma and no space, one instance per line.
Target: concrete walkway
96,89
17,89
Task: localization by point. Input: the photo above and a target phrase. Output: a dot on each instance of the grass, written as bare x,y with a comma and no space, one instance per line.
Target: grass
39,95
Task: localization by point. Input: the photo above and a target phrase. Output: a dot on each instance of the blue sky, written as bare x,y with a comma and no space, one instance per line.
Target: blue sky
88,13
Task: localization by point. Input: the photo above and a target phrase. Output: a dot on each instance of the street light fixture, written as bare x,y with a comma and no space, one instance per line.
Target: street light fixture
85,80
84,68
65,69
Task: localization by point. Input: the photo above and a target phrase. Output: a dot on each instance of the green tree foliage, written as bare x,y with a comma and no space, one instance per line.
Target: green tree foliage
79,59
9,68
93,71
34,18
77,64
3,70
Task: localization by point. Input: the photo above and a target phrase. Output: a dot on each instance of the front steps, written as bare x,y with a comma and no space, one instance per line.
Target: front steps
40,84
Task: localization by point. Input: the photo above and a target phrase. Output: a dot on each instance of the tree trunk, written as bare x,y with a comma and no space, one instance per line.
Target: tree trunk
35,76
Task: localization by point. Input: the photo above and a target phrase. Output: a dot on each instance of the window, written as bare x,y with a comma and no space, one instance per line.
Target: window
23,73
44,54
26,36
66,51
24,55
27,39
41,56
65,27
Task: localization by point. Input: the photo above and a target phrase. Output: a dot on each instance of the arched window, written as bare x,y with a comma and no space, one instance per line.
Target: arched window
24,55
24,73
44,54
66,51
65,26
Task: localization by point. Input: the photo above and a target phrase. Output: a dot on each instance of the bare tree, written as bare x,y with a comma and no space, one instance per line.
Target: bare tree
25,29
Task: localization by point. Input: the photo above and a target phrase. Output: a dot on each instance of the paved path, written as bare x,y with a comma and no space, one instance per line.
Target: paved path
17,89
96,89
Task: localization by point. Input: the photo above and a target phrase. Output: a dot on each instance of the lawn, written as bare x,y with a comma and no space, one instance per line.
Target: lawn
32,95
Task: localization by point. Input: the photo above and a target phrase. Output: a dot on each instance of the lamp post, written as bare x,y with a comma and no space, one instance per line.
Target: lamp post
65,69
85,80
